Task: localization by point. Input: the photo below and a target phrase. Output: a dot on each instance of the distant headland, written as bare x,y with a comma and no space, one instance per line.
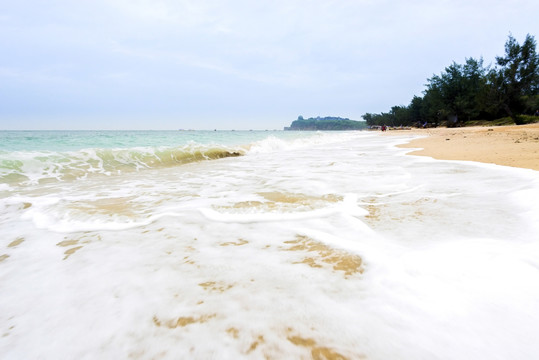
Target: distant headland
326,123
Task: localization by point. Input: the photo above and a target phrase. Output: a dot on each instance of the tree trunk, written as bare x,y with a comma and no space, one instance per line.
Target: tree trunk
511,114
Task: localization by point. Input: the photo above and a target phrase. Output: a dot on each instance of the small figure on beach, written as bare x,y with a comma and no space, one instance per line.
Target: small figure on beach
536,112
384,128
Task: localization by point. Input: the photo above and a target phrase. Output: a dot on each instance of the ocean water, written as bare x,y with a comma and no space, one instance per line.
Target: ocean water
262,245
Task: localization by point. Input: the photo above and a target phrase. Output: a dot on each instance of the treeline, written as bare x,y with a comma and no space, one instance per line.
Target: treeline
326,123
471,91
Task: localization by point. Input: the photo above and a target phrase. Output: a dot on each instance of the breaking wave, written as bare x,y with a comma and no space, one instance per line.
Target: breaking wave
42,166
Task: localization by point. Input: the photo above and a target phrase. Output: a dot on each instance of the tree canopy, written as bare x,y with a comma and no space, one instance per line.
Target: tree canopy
469,91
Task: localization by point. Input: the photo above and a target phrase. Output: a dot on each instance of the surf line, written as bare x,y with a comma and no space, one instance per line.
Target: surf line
348,206
77,226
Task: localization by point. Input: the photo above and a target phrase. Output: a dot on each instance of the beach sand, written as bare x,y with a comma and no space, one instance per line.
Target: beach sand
516,146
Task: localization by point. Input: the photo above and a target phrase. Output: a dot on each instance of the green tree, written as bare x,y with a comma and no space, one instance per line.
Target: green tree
369,119
473,88
432,106
456,91
516,76
400,115
417,110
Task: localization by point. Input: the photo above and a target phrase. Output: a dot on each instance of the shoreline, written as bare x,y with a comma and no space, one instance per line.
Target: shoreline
512,145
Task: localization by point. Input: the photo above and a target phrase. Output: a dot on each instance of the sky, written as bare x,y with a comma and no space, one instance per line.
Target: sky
234,64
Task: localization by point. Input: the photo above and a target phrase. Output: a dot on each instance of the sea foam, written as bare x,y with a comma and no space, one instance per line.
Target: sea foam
335,246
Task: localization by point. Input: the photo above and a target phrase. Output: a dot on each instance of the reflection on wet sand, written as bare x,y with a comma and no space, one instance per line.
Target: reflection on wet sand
259,340
301,199
240,242
123,206
233,332
280,201
323,254
71,251
67,243
16,242
397,211
214,286
182,321
317,352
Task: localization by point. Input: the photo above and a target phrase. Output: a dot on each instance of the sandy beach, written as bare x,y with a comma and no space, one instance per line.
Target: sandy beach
516,146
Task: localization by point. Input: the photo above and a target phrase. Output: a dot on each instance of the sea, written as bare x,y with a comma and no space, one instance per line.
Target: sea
261,245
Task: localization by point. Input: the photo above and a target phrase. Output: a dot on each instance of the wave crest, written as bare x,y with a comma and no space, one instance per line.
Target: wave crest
43,166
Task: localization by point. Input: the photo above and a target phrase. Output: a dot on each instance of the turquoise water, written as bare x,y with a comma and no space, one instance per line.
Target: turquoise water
36,156
77,140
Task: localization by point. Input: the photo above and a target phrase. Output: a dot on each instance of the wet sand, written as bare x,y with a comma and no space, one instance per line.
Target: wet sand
516,146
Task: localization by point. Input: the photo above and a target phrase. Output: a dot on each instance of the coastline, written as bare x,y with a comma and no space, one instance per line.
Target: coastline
516,146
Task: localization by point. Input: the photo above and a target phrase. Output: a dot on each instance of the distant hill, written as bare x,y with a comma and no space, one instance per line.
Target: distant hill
326,123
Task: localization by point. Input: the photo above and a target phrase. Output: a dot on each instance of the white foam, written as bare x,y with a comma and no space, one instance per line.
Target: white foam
273,144
5,187
152,264
42,221
348,206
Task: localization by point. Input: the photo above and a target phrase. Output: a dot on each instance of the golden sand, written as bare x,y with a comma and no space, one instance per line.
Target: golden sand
516,146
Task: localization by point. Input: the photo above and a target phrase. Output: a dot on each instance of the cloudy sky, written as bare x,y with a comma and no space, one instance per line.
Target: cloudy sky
234,64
